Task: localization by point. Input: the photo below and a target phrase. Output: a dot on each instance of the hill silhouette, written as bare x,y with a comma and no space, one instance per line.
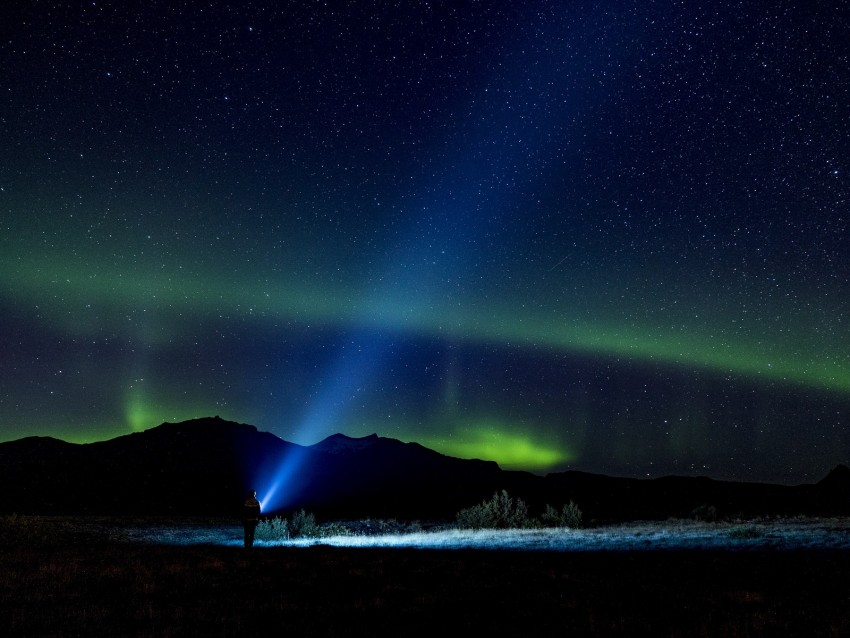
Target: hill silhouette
203,467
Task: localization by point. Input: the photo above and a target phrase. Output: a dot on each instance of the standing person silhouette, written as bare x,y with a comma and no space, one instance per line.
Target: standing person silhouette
250,517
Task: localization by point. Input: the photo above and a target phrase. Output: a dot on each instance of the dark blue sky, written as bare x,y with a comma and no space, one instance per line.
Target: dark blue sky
606,236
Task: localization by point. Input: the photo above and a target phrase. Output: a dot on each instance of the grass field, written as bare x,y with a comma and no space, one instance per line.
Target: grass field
72,582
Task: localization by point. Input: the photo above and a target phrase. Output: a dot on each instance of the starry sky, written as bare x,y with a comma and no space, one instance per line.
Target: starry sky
606,236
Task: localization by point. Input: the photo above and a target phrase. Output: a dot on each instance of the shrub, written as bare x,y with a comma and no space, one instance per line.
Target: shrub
475,517
272,529
303,525
334,529
569,516
706,513
500,512
373,527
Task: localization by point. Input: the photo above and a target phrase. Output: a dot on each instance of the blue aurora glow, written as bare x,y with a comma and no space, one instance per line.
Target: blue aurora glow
464,200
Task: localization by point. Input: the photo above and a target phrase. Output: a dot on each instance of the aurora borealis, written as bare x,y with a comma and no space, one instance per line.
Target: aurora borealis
609,237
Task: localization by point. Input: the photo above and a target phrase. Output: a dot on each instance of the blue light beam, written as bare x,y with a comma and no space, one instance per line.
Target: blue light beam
356,364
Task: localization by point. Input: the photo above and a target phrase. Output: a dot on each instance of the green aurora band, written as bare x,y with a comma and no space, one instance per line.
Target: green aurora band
85,304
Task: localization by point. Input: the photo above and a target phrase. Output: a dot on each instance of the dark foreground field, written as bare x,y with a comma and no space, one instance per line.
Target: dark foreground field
111,588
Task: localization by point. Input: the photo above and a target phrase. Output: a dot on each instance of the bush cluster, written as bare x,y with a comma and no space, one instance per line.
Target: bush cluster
502,511
275,528
301,525
568,516
706,513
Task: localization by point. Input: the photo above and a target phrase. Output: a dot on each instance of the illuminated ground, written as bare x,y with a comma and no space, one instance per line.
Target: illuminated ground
668,535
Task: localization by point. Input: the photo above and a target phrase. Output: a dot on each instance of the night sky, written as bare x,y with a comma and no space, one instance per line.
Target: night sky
605,236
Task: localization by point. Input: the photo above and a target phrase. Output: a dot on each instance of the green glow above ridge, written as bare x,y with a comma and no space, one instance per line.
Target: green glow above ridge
495,440
145,409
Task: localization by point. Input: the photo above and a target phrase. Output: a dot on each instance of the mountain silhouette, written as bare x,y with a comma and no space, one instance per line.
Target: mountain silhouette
204,467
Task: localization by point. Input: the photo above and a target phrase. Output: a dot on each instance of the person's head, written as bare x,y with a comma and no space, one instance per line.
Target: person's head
252,493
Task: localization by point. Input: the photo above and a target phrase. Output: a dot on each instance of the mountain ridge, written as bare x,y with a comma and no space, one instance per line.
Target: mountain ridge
204,467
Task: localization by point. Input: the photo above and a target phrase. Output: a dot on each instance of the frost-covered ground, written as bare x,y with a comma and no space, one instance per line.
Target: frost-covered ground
785,534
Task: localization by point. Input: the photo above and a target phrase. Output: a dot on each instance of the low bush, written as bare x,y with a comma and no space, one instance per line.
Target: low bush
745,532
569,516
334,529
272,529
505,512
705,513
378,526
302,524
501,512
